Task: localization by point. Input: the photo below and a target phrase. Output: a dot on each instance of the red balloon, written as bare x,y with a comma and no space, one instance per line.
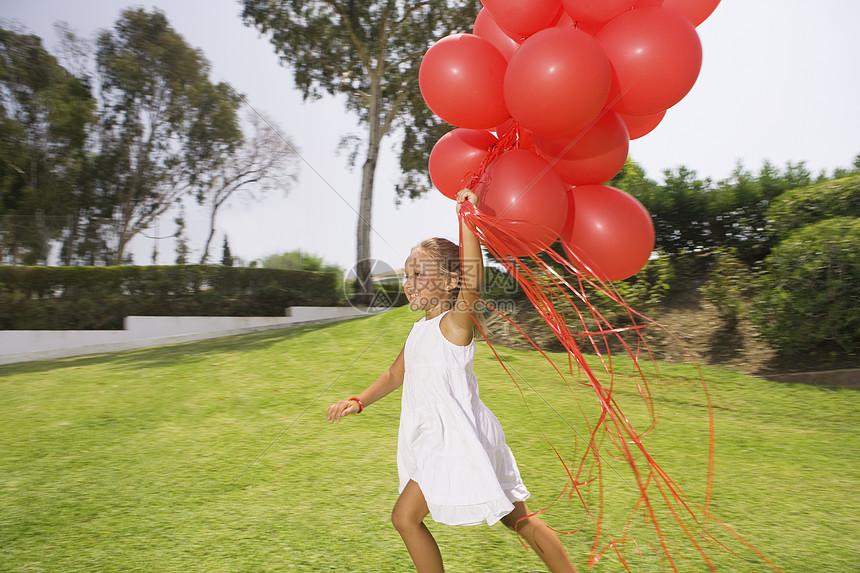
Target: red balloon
487,28
461,78
640,125
610,232
527,199
523,17
456,157
557,82
696,11
596,11
656,56
593,156
649,3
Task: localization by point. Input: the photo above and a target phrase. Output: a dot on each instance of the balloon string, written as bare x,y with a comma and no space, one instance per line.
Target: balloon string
613,434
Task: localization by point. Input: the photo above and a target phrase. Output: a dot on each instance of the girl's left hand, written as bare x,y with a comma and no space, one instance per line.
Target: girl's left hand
342,408
466,195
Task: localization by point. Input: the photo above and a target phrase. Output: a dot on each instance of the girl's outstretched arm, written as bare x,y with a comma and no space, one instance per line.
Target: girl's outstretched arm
388,382
458,325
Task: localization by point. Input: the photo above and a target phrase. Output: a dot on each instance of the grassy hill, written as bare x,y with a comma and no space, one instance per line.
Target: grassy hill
215,456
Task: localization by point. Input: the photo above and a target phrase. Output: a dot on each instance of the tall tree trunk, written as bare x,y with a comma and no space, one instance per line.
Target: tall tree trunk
364,284
204,258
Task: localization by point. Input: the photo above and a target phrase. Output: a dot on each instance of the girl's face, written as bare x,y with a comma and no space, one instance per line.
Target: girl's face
426,288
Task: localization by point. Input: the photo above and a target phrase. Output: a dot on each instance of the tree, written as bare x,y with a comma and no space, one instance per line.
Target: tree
370,51
678,208
181,240
163,125
226,255
264,161
774,182
294,261
44,116
697,216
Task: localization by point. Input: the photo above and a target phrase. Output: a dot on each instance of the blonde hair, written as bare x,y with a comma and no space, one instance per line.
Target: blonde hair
446,256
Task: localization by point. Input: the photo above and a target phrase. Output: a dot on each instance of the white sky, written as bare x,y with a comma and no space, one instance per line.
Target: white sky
779,81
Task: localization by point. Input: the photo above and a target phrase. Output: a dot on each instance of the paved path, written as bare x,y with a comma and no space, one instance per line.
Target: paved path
847,378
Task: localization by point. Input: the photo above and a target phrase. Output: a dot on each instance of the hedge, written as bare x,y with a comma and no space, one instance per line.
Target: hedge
810,294
802,207
89,298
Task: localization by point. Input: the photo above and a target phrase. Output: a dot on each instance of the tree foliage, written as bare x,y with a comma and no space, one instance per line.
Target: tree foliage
370,52
163,124
693,215
226,255
91,158
297,261
44,116
800,235
265,160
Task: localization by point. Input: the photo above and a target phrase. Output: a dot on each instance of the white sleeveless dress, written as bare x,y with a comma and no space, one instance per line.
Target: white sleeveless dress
449,442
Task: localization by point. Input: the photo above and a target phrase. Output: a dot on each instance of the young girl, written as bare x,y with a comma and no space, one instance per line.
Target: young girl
451,453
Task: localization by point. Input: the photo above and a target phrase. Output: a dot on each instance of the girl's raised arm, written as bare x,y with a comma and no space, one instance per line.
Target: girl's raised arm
460,320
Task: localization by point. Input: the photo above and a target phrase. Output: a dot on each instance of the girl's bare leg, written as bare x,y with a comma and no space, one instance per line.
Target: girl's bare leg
540,537
408,518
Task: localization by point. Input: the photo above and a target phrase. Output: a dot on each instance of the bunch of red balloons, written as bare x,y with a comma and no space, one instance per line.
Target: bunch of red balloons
574,81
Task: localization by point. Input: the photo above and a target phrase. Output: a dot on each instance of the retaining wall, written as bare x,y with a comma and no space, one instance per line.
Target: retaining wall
147,331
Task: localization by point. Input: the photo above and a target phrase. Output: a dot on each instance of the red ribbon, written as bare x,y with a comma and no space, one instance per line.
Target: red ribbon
660,501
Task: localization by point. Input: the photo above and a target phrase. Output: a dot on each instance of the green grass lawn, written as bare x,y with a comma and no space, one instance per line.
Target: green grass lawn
215,456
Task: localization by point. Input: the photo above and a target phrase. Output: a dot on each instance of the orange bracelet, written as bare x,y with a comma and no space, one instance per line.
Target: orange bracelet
360,405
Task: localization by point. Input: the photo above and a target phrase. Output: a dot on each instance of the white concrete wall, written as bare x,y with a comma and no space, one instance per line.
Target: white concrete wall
157,326
147,331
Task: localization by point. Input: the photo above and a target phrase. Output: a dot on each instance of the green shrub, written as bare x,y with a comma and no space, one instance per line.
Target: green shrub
73,298
649,287
807,205
810,294
727,287
390,294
